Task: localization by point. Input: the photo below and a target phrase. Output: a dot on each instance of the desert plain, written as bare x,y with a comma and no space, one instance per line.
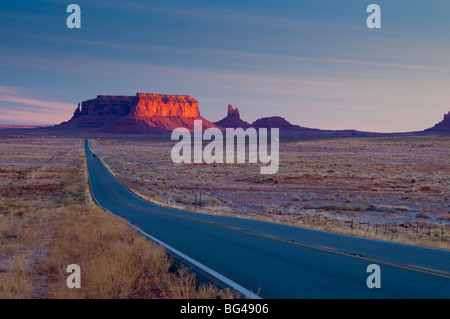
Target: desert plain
385,187
391,188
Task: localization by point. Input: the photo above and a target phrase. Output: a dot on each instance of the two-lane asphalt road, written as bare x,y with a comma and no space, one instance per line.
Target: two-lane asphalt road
278,261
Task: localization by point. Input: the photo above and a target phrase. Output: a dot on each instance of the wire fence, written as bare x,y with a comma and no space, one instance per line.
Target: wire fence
357,226
423,229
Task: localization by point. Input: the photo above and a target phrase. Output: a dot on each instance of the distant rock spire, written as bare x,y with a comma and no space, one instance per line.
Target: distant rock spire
232,120
233,112
77,110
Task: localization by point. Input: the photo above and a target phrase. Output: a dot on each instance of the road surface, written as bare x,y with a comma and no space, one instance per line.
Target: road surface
274,260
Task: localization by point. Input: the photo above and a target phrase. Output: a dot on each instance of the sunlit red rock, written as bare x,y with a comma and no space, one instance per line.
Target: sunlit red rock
144,113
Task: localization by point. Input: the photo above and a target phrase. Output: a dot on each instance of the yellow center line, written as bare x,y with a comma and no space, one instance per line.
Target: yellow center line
328,248
431,269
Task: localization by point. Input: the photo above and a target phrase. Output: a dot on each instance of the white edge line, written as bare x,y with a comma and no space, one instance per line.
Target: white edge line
210,271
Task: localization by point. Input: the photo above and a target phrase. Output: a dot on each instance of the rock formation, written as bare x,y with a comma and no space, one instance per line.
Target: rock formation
232,120
156,114
144,113
441,127
275,121
284,126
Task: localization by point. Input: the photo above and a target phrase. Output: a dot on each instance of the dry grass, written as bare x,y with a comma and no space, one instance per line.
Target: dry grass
117,262
399,233
16,281
46,225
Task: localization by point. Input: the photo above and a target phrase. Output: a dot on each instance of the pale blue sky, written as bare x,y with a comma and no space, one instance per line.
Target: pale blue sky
313,62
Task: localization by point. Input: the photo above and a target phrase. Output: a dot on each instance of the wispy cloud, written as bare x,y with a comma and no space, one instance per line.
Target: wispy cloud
216,13
18,108
8,89
42,104
18,117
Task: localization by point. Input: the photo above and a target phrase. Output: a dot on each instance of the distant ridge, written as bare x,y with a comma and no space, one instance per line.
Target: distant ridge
233,120
159,114
3,126
441,127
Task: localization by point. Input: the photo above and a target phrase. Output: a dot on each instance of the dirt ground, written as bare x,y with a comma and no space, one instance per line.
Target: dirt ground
48,221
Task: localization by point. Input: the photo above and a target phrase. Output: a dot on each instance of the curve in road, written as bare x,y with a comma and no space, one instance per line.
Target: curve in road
275,260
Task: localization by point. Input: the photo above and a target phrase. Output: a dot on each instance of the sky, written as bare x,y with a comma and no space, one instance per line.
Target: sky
313,62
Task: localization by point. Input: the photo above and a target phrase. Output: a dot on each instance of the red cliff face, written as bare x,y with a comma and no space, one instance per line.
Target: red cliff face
101,111
139,114
142,105
151,104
